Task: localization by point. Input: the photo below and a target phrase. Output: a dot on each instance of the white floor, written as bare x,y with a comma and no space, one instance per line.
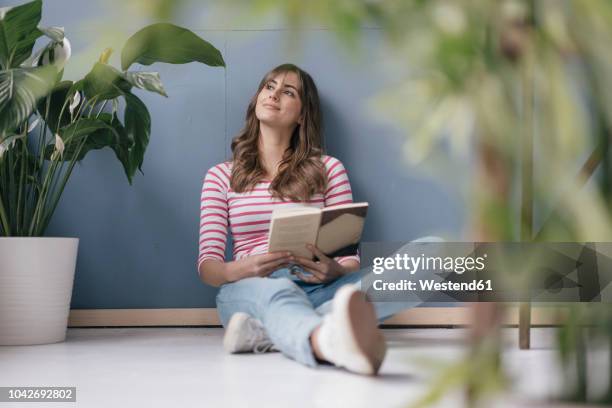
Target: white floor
186,367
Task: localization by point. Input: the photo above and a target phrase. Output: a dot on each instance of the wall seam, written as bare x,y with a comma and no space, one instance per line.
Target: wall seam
225,97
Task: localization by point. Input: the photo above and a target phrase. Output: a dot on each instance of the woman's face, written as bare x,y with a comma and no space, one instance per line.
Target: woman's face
278,102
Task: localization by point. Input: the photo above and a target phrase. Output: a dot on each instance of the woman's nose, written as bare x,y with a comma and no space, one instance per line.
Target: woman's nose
274,95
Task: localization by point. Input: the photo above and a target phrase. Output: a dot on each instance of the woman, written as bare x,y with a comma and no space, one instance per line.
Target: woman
270,300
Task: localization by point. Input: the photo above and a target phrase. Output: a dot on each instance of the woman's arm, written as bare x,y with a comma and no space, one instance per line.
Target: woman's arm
216,273
214,214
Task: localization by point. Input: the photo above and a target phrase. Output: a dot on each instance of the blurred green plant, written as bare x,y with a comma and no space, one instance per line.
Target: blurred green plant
48,125
521,90
483,368
582,340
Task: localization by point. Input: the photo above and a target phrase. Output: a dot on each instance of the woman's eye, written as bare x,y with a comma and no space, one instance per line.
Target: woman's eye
289,93
269,87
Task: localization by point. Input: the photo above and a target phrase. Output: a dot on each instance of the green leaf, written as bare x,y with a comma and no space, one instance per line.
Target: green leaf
138,129
56,100
105,131
121,147
74,132
164,42
18,32
105,82
20,91
98,133
112,135
149,81
129,142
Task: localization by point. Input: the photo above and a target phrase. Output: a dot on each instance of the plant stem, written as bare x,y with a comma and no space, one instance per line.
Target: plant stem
38,226
581,366
43,137
526,221
58,191
41,200
5,225
66,175
22,174
4,197
608,398
12,202
101,108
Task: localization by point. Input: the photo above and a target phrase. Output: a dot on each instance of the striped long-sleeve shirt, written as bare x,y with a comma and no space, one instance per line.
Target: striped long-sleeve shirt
248,214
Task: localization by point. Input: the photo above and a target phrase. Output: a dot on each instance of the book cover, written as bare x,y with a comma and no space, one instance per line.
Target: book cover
334,230
340,229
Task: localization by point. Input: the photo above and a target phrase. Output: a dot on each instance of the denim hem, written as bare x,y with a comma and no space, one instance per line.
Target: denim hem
305,354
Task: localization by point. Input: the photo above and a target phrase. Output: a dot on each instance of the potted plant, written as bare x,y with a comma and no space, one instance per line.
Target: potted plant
47,125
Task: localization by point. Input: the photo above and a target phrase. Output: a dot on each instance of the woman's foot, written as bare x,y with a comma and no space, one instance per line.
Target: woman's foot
349,336
244,334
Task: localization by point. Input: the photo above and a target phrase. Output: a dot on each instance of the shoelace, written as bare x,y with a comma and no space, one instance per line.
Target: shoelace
260,342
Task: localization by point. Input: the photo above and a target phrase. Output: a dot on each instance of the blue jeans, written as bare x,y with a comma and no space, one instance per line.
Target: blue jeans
291,309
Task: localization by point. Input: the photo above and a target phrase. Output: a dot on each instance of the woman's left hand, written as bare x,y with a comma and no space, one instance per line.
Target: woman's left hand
325,270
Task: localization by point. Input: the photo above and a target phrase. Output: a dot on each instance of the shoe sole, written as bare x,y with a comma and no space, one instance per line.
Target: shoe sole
366,338
231,340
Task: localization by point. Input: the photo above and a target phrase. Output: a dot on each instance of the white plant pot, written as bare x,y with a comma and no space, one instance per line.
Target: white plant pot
36,277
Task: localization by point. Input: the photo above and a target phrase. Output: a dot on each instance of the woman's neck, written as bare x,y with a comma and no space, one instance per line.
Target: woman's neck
273,143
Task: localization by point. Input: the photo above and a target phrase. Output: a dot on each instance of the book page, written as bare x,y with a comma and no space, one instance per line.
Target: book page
293,233
340,232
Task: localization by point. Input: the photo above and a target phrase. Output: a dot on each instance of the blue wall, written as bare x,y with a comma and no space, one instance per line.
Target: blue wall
138,244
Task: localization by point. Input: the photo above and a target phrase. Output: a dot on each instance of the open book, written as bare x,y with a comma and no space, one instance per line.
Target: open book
334,230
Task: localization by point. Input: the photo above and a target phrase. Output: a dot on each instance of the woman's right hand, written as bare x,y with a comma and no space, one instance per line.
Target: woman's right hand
262,265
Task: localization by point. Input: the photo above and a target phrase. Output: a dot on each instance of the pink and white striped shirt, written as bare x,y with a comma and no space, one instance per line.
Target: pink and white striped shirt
248,214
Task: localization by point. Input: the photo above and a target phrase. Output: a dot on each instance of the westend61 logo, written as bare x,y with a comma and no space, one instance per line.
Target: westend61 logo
488,271
413,264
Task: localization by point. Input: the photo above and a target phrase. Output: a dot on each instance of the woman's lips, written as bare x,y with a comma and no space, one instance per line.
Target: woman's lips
267,105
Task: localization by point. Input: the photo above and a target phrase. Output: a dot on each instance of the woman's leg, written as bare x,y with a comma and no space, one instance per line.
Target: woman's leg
283,308
321,297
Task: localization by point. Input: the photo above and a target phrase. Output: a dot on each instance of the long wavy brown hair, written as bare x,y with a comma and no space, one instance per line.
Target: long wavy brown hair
301,173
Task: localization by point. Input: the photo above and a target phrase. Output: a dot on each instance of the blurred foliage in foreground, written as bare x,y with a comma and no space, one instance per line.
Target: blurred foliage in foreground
484,73
517,93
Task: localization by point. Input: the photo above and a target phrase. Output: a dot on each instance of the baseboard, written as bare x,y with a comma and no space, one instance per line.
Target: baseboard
421,316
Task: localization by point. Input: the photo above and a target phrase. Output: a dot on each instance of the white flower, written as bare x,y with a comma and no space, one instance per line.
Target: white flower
76,99
59,147
33,125
61,54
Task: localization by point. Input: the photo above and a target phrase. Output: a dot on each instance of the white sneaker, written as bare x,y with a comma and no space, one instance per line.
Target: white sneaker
245,334
349,336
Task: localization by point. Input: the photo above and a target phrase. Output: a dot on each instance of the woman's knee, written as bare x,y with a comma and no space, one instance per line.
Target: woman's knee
280,287
257,290
254,296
